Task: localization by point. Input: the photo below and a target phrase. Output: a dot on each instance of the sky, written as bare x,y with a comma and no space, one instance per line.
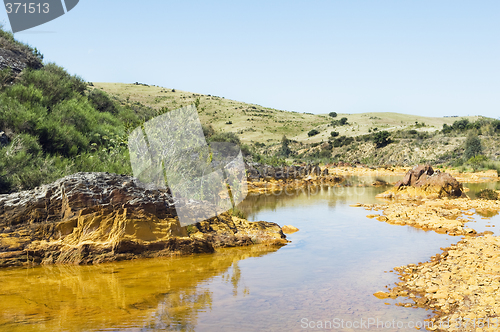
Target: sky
426,57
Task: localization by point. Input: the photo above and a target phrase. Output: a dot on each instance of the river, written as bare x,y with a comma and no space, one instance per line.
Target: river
328,272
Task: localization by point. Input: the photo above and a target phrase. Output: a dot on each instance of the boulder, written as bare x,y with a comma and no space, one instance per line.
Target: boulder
415,174
423,182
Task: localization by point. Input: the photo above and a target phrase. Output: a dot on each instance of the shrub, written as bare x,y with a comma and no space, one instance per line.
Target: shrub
208,130
225,137
341,141
381,138
246,150
285,147
101,101
477,161
473,146
340,122
55,83
334,133
238,213
487,194
333,114
312,132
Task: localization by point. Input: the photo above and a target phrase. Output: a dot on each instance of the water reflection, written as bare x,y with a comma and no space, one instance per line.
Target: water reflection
355,189
143,295
475,188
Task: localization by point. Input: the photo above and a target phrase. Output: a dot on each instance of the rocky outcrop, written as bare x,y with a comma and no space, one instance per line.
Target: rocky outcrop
97,217
257,172
265,179
423,182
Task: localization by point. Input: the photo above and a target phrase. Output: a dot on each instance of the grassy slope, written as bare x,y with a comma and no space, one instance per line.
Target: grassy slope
254,123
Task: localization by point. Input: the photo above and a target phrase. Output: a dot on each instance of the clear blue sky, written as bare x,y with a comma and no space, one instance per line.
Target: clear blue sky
423,57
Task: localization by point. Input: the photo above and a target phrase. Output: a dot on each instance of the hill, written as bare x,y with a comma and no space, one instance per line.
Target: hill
255,123
412,139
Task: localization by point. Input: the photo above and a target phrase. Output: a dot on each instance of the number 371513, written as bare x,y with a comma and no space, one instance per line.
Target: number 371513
31,8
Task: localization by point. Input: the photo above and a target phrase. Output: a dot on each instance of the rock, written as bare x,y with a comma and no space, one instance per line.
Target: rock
316,170
96,217
278,178
423,182
4,139
16,58
381,295
378,183
415,174
288,229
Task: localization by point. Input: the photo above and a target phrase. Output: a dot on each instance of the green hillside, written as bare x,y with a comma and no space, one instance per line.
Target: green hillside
255,123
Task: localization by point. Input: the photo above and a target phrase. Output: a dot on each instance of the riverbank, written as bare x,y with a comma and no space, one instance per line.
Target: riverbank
460,284
446,216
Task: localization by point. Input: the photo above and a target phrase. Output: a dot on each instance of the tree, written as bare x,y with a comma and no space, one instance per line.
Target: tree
473,146
285,148
333,114
343,121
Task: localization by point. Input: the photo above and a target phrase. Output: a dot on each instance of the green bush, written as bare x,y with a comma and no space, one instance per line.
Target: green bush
381,138
487,194
208,130
473,146
225,137
333,114
341,122
101,101
285,147
54,82
313,132
341,141
334,133
246,150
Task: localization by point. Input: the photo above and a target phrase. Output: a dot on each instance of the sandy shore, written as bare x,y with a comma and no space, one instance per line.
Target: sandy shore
477,177
441,215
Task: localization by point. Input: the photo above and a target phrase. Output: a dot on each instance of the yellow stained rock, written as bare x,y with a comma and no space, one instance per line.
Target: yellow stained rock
381,295
288,229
